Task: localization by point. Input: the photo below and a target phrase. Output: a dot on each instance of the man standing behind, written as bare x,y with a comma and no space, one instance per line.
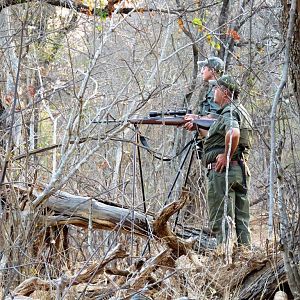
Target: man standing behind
228,141
211,69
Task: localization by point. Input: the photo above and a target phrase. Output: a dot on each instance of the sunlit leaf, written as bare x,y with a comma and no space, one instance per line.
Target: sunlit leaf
209,38
217,46
232,33
102,3
197,22
180,23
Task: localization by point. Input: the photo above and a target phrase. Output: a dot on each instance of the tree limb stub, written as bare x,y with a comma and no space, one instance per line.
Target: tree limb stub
162,229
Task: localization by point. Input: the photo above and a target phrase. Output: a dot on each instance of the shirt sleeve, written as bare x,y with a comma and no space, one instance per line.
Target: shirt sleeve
231,121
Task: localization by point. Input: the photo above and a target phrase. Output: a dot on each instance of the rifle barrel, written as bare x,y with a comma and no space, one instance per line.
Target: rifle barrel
108,121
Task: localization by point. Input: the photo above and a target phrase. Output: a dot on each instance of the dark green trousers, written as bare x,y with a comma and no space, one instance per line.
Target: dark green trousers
238,204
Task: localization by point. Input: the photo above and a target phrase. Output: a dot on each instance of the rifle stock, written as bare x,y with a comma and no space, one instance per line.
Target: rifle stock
172,121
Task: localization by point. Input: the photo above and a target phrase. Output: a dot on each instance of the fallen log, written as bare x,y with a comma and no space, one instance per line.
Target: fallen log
75,210
104,216
253,278
262,283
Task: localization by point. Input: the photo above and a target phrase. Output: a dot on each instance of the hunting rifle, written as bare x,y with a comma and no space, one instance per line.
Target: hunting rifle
171,118
168,117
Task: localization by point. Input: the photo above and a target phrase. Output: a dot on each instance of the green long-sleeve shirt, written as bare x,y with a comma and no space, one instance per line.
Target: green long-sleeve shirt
207,105
214,143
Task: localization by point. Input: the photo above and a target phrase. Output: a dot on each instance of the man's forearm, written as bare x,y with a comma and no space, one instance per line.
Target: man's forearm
233,136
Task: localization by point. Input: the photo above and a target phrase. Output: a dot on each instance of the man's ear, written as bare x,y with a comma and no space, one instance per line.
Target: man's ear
228,93
215,74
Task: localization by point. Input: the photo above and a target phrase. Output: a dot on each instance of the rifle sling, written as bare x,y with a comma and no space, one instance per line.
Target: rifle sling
159,156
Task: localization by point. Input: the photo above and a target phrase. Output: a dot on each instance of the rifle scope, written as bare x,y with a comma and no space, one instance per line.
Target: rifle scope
179,112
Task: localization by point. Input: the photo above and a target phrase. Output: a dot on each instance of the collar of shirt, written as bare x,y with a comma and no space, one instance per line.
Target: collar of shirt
222,108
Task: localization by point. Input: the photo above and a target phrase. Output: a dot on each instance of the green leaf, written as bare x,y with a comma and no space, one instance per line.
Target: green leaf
209,38
101,13
218,46
197,22
102,3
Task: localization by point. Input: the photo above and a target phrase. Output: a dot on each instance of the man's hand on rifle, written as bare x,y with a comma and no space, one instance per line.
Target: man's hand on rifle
190,125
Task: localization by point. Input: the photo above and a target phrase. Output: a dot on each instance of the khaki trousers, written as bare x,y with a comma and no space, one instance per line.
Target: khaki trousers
238,204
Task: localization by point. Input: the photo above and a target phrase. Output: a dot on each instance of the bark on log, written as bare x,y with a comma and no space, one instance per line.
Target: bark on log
108,217
262,283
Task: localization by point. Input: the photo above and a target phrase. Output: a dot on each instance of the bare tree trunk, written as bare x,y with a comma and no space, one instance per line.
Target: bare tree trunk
291,29
295,47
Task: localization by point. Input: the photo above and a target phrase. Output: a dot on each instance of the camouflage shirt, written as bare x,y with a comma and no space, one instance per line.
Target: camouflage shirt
214,143
208,106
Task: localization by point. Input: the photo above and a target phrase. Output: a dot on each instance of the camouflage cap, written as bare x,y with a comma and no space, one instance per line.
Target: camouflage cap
213,62
228,82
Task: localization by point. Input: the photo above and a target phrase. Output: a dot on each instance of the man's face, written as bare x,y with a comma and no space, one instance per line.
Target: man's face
219,95
208,73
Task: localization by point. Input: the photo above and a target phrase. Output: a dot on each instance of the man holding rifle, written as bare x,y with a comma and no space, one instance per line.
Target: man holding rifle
227,143
211,69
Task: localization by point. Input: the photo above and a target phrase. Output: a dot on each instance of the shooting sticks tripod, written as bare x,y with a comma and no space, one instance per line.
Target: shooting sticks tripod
189,149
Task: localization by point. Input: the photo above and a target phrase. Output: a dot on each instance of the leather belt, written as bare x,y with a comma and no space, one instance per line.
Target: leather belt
212,166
